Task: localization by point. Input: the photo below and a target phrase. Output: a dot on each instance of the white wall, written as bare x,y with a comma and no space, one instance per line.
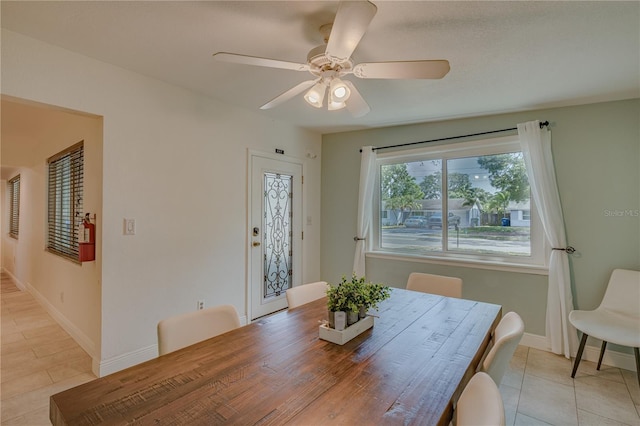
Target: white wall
176,162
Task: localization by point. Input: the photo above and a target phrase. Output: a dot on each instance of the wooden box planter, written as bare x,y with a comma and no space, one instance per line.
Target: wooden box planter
342,337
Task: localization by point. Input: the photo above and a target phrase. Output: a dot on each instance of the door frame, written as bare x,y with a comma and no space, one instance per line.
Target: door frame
248,232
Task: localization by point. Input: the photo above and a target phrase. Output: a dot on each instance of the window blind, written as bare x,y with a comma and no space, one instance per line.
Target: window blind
14,207
64,212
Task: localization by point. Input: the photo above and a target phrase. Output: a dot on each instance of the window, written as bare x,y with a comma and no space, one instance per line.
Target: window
465,202
64,212
14,207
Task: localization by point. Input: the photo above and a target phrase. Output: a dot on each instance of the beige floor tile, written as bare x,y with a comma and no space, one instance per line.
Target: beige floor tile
588,368
510,398
515,373
25,403
41,364
13,347
548,401
521,352
39,417
16,359
522,420
631,380
12,338
547,365
70,369
9,327
42,331
606,398
54,347
24,384
589,419
39,322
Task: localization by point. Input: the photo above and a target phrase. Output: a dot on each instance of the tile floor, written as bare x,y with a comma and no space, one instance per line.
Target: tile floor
39,359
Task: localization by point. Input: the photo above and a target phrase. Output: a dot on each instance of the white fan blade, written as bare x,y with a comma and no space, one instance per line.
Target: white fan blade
350,24
402,69
260,62
289,94
356,103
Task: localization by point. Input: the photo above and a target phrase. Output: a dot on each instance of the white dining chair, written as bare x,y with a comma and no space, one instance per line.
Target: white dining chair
480,403
616,320
505,340
306,293
435,284
183,330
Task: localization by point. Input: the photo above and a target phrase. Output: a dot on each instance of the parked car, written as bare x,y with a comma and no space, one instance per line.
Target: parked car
435,220
415,222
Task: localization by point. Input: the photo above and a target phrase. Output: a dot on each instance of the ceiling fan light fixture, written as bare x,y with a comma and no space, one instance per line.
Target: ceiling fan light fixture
339,92
334,106
315,95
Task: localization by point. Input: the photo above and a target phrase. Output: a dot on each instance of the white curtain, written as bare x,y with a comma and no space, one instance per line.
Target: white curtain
365,208
536,148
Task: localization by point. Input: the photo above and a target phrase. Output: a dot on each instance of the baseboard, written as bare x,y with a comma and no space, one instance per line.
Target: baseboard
591,353
15,280
127,360
82,339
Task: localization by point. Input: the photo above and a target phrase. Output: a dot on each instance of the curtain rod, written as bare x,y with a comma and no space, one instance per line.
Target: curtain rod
542,124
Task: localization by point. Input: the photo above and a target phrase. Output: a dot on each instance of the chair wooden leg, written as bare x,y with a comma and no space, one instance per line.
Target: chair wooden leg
637,352
604,345
579,354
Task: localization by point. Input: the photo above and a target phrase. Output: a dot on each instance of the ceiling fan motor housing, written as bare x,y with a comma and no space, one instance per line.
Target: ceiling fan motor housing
321,66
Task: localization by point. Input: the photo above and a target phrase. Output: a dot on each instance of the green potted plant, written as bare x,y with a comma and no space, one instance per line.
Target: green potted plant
354,297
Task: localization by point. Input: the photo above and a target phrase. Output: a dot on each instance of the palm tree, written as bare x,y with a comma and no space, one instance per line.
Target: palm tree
499,203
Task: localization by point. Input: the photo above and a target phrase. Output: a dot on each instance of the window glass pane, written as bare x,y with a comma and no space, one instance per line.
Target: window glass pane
278,234
471,202
410,193
487,199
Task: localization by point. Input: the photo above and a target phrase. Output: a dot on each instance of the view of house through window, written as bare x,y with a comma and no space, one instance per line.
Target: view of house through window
64,208
14,206
473,202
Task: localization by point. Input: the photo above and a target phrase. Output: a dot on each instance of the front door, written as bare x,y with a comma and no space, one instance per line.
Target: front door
275,231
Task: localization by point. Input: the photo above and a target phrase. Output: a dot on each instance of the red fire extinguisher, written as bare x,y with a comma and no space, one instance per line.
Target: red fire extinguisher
87,239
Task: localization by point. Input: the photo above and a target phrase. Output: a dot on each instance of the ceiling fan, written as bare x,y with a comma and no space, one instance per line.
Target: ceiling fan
329,62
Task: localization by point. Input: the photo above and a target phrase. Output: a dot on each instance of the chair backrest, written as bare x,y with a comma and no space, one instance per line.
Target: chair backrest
623,293
435,284
183,330
506,337
480,403
306,293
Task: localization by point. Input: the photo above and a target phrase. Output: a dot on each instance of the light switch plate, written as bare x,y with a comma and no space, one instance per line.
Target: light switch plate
129,227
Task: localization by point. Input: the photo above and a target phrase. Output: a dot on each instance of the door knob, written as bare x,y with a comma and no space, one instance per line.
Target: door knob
256,243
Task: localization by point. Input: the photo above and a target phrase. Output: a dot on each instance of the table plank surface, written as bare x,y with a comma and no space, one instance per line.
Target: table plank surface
407,369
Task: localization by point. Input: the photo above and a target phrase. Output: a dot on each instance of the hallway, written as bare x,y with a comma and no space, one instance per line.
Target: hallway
38,358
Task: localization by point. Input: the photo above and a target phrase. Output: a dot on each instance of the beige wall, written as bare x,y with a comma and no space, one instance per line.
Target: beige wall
176,162
597,159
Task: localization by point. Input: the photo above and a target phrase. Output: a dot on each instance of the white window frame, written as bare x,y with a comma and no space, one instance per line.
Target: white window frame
536,263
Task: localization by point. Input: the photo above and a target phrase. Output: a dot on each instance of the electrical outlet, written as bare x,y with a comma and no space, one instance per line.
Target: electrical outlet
62,296
200,304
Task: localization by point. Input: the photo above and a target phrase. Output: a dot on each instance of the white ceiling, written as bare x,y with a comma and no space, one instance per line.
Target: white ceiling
504,56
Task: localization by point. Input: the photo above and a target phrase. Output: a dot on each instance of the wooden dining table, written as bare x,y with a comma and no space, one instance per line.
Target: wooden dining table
409,368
